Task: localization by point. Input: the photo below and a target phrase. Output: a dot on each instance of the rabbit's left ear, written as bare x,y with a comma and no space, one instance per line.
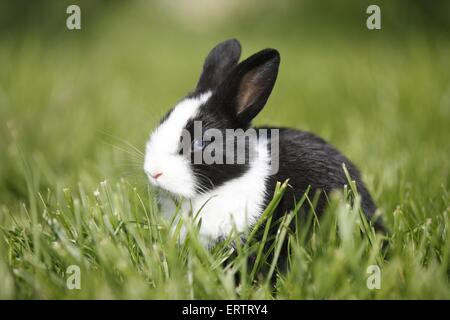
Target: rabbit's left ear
246,90
218,64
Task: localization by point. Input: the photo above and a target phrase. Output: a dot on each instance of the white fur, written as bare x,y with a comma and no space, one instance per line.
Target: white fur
162,150
236,204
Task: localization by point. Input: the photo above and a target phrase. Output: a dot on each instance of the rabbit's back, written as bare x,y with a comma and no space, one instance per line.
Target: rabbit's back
308,160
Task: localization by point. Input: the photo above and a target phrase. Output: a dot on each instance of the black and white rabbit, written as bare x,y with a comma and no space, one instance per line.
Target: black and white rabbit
228,96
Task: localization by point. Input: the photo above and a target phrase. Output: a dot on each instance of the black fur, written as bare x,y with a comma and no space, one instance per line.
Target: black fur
218,64
317,164
210,176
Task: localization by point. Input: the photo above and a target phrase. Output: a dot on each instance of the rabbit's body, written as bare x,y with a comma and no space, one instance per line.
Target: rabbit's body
234,195
309,161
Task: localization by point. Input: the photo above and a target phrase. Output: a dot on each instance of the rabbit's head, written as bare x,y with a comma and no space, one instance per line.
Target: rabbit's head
184,155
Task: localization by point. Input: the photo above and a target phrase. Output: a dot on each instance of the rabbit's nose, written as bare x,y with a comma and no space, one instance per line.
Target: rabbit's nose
156,175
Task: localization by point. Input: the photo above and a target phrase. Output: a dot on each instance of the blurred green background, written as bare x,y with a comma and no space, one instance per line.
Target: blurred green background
72,101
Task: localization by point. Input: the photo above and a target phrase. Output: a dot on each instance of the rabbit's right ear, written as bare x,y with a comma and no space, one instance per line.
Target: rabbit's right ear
218,64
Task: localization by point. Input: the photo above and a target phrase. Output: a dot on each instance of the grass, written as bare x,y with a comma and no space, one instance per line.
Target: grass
72,191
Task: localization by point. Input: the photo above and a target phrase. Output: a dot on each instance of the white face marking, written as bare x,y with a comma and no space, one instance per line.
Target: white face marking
163,165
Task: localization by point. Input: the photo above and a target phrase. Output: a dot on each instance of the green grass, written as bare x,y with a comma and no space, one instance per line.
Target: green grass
72,191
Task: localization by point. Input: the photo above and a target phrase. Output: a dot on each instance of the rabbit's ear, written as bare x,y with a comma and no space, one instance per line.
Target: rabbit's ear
248,87
218,64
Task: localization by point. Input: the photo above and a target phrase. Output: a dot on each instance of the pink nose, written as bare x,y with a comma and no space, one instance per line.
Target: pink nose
156,175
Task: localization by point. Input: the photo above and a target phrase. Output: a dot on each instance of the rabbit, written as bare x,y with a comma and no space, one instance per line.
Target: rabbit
232,196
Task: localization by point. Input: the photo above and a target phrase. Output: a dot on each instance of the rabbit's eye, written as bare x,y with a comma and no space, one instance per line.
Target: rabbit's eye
198,145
